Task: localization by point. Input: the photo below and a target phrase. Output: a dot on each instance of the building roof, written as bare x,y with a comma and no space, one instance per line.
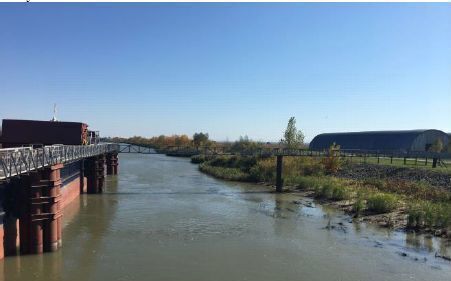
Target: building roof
370,140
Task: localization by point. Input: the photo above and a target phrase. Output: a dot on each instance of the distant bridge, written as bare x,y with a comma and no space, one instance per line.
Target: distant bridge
132,148
277,151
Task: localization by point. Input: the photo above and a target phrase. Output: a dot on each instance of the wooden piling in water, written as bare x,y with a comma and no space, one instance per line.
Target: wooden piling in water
279,179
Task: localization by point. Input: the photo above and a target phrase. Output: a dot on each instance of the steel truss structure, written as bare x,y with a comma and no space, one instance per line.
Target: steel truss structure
17,161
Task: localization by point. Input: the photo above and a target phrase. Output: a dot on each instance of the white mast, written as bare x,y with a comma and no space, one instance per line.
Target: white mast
54,113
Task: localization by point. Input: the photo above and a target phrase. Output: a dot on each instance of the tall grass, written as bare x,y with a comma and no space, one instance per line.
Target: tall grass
325,187
429,214
198,159
233,174
381,203
359,206
332,191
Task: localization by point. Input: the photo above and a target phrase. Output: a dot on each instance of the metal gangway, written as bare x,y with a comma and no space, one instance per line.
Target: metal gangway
22,160
132,148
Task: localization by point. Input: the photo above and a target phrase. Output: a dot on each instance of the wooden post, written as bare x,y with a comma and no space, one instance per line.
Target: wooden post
426,162
434,162
279,179
391,159
405,160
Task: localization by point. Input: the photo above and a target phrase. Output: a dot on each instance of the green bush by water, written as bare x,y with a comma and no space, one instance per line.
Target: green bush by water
381,203
233,174
429,214
332,190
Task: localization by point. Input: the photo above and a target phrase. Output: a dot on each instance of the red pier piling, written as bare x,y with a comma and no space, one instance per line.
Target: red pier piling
95,173
111,164
45,210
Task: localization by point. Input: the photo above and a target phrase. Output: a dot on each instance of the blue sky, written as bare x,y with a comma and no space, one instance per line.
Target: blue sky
228,69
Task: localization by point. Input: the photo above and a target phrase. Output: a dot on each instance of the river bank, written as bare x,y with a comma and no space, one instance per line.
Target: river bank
411,200
162,219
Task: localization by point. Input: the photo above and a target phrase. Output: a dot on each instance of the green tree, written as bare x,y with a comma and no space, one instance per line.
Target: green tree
437,146
200,138
292,137
245,144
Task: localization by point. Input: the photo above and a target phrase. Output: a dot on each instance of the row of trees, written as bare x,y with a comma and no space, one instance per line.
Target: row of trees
293,138
198,139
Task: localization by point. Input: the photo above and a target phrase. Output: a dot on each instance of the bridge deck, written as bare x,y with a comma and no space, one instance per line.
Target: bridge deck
16,161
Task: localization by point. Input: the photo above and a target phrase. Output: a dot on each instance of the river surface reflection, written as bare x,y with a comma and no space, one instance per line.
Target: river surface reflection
161,219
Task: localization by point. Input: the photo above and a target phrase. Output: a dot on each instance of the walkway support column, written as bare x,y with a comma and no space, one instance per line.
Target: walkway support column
9,236
10,217
279,179
53,224
45,210
111,163
95,172
36,211
24,214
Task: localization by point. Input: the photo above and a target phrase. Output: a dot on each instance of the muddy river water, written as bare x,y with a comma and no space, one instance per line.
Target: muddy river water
161,219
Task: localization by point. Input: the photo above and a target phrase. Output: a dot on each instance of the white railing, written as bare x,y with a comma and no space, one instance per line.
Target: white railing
16,161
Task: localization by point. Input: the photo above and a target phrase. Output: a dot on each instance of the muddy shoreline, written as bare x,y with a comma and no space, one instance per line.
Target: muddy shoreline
396,220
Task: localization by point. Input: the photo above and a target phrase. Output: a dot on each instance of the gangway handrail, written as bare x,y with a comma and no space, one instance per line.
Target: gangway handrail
22,160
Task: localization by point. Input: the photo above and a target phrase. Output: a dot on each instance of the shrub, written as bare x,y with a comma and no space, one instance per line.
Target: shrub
301,166
241,162
197,159
340,193
381,203
332,162
359,206
323,191
332,190
314,168
233,174
264,170
308,182
373,182
428,214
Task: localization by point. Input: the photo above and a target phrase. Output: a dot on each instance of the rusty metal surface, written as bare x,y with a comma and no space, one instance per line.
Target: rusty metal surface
17,133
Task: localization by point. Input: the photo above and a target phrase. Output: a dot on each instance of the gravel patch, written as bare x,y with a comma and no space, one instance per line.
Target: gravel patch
365,171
